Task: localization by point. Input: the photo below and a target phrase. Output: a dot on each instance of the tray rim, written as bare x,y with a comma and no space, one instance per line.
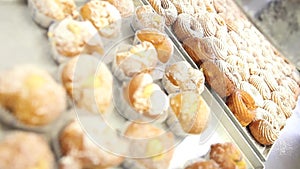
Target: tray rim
221,103
225,118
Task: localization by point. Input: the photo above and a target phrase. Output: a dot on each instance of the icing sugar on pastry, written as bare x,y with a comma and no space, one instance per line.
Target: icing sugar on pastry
104,16
70,38
180,76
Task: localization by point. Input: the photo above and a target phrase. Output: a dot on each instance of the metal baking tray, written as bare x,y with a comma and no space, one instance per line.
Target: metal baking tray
22,42
261,151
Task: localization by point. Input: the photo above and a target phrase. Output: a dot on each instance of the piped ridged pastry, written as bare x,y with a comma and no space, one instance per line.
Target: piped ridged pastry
219,47
183,6
199,49
282,103
191,110
259,83
242,106
290,84
161,42
186,26
217,79
241,66
28,150
263,132
227,155
230,71
262,114
165,8
249,88
270,81
211,23
238,40
275,110
180,76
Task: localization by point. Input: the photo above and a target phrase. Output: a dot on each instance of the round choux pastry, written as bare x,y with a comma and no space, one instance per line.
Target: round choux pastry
79,151
89,83
25,150
31,95
104,16
180,76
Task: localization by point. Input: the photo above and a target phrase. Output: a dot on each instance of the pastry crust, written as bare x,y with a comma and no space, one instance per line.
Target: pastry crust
104,16
165,8
76,146
57,10
183,6
69,38
156,144
161,42
263,132
199,50
125,7
250,89
88,82
146,17
35,99
180,76
259,83
206,164
186,26
227,156
141,93
132,59
191,110
242,106
28,150
217,79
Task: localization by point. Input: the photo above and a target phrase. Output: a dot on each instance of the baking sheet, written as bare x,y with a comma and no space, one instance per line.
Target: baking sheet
22,42
261,151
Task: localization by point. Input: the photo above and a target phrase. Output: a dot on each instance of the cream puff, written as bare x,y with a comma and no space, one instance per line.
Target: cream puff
89,83
180,76
146,17
227,155
155,146
79,151
70,38
146,97
31,95
188,113
104,16
162,43
45,12
132,59
25,150
125,7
